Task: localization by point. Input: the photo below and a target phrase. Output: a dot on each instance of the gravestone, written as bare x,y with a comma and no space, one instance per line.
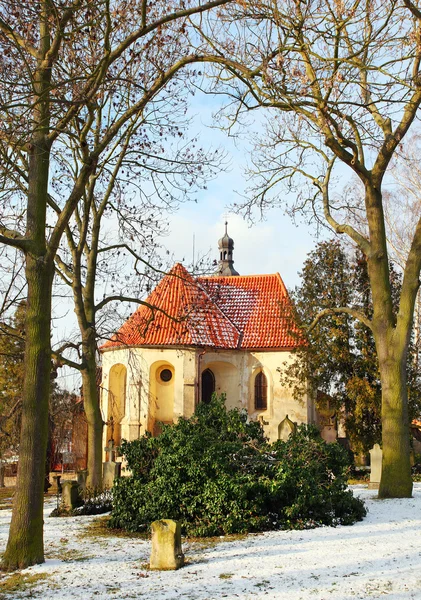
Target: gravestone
111,450
376,454
285,428
110,470
166,554
70,497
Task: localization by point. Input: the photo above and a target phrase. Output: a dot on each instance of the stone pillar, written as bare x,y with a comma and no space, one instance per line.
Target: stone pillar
376,455
57,484
166,552
110,471
190,382
70,498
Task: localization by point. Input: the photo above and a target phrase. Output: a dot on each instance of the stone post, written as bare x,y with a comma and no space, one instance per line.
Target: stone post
70,498
110,471
376,455
166,552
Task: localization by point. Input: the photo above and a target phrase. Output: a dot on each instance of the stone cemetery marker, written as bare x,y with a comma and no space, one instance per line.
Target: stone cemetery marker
376,454
70,498
166,552
110,471
111,450
57,484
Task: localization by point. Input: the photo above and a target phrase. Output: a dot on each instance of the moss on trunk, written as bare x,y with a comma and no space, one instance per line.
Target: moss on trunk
25,544
396,480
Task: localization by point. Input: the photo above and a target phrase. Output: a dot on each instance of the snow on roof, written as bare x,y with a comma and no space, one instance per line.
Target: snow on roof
221,312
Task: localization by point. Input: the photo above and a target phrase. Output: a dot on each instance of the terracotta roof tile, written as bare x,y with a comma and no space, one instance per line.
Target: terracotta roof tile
259,305
221,312
178,312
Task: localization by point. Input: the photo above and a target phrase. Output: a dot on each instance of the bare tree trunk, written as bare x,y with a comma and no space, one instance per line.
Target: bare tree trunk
93,413
396,479
25,545
391,334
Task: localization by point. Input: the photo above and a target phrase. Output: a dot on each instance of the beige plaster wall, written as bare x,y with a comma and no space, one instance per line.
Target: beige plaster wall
147,400
235,372
161,393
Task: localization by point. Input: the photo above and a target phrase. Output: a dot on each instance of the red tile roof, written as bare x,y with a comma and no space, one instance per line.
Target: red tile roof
221,312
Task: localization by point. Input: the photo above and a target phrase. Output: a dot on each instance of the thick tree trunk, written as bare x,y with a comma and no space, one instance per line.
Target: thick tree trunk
396,480
25,545
93,414
391,334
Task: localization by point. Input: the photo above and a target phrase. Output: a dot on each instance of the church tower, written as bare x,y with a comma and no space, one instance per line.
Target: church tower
226,261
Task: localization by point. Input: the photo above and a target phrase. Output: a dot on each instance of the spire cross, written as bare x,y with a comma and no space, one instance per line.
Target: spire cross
226,215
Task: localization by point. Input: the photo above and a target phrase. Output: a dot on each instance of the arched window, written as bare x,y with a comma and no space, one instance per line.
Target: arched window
208,385
260,392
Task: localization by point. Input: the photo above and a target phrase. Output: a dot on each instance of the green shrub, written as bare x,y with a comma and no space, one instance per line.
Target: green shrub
216,474
416,471
94,501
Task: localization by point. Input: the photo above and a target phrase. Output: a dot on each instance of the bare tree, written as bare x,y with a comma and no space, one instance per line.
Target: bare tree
341,86
137,183
60,60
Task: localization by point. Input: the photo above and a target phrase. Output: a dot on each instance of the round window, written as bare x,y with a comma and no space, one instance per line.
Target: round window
165,375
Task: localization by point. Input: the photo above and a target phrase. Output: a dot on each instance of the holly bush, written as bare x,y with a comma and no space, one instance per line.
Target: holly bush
216,474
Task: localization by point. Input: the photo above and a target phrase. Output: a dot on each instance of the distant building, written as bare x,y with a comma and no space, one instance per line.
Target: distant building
194,336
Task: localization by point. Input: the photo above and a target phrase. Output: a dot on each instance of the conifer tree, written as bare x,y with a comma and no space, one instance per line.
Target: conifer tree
11,379
340,358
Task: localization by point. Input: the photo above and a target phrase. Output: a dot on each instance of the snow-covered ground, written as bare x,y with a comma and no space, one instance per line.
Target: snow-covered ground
377,558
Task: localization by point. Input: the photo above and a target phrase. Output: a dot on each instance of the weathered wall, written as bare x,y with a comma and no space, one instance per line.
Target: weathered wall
235,372
149,400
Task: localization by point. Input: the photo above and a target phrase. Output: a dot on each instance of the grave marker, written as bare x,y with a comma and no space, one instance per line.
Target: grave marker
166,552
70,497
376,456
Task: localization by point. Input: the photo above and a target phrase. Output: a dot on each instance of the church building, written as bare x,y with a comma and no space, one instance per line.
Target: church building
226,333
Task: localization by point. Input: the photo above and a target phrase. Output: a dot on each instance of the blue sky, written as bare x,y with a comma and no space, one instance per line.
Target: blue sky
269,246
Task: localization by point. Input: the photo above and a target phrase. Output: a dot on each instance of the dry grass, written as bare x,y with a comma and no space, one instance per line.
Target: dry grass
6,496
16,583
99,528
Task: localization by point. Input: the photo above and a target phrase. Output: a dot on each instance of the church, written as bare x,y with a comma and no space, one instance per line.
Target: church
226,333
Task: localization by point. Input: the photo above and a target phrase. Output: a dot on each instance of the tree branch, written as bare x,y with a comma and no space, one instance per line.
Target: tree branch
14,239
359,239
17,39
342,310
62,360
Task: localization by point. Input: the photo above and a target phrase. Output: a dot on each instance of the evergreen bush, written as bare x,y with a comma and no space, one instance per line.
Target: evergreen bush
216,474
